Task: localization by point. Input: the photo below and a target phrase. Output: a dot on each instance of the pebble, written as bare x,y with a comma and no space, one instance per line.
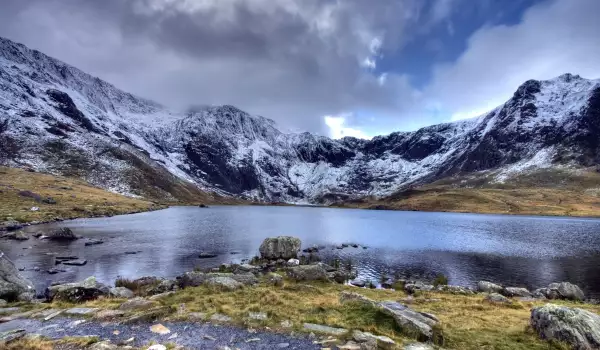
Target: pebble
159,329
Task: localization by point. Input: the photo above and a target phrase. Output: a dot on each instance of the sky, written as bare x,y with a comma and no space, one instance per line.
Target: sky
333,67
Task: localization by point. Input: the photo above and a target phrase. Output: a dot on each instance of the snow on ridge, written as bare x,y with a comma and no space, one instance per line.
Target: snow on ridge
290,167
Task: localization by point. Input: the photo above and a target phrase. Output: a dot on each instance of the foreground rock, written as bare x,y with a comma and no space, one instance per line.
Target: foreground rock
562,290
195,278
577,327
496,298
88,289
419,325
282,247
12,284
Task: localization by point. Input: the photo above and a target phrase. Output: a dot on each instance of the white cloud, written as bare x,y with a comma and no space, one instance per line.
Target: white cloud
556,37
337,128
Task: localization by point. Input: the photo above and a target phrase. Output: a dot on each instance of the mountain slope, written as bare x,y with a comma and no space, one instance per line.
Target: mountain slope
64,121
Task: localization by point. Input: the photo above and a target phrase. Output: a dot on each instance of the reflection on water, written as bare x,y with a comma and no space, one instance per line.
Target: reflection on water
517,250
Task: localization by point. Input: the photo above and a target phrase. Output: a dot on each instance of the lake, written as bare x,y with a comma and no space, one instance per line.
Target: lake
525,251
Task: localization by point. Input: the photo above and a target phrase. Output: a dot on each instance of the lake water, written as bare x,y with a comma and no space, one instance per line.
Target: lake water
515,250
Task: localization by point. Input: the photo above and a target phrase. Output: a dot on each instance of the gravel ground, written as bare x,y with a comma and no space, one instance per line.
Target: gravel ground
188,334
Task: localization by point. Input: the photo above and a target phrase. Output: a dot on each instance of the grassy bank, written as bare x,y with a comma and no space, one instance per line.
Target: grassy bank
545,192
468,322
59,197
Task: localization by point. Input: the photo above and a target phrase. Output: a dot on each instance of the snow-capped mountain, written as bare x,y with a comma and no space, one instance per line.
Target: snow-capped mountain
63,120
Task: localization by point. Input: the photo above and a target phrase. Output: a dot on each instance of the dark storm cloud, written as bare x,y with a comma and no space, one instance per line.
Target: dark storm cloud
292,60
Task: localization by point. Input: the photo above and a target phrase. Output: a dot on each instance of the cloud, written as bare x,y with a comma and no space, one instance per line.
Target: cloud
554,37
291,60
338,129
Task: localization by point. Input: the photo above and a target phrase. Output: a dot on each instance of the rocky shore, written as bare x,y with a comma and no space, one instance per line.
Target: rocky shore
254,296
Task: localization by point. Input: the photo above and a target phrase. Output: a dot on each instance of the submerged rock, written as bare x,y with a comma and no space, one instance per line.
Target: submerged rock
75,262
205,255
577,327
282,247
12,284
61,234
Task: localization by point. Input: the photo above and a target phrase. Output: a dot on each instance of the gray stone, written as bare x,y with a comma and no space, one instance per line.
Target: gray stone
282,345
120,292
137,304
161,295
226,283
371,341
496,298
454,289
103,345
307,273
418,346
286,324
567,291
11,336
488,287
259,316
245,268
82,311
10,225
275,279
192,279
17,236
12,284
321,329
282,247
577,327
3,302
419,325
88,289
220,318
515,292
411,288
346,297
109,314
349,346
358,283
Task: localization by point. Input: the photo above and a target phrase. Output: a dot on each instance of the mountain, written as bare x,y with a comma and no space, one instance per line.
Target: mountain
58,119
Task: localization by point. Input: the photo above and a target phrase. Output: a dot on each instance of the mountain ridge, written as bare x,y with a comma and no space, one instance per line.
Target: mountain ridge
66,121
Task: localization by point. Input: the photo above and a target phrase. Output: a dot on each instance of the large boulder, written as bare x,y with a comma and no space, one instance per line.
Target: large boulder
564,290
419,325
577,327
225,283
307,273
12,284
282,247
488,287
88,289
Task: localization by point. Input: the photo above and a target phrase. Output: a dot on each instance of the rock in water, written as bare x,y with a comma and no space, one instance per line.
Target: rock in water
88,289
12,284
61,234
282,247
577,327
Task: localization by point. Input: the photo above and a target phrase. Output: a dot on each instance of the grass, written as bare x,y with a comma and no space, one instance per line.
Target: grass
467,322
74,198
544,192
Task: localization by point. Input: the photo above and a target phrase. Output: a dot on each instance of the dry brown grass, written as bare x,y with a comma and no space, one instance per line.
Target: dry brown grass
565,193
468,322
29,344
74,198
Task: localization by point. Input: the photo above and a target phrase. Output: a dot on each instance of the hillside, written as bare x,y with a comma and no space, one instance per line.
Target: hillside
53,197
58,119
561,192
